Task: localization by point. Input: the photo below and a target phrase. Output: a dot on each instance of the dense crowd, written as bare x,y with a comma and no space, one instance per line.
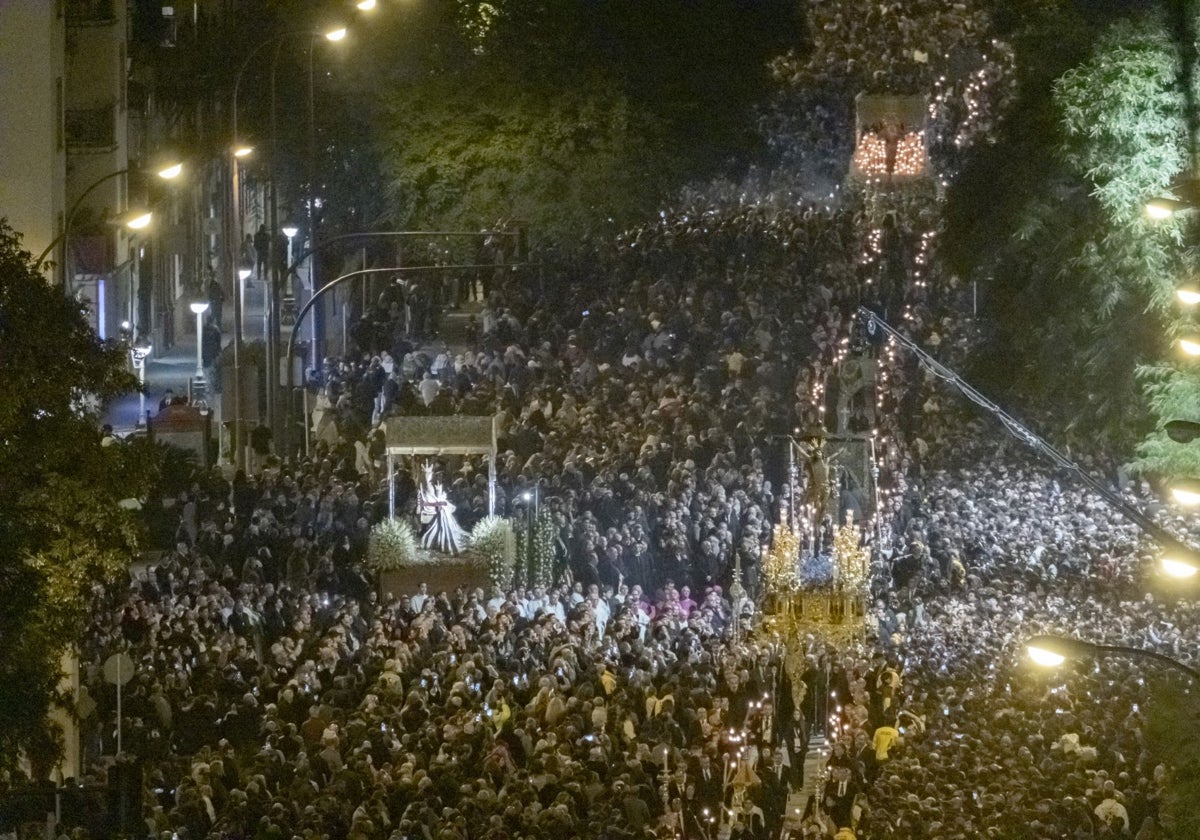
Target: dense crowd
278,695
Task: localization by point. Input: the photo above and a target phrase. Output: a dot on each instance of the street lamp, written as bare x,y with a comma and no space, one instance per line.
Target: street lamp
234,237
199,308
531,511
1188,294
244,272
1186,491
139,352
1164,208
1184,195
1177,568
1182,431
289,230
365,5
1052,651
167,173
139,219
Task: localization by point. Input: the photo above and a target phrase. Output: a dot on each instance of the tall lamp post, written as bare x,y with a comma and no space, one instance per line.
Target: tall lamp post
198,309
139,352
290,231
1052,651
234,237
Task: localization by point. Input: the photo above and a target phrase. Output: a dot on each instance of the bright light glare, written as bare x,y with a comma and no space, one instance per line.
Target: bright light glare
199,307
366,5
139,222
1177,568
172,171
1188,295
243,273
242,151
290,231
1186,496
1191,346
336,34
1163,207
1045,658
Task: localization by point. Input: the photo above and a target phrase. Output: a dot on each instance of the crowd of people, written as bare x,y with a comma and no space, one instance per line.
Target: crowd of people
277,695
652,391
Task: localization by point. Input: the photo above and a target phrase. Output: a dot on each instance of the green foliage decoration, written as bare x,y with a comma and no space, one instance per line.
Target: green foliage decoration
492,539
535,551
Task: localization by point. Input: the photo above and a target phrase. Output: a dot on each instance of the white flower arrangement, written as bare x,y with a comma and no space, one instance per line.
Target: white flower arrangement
393,545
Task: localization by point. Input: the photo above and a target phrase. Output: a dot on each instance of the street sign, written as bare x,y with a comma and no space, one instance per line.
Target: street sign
118,669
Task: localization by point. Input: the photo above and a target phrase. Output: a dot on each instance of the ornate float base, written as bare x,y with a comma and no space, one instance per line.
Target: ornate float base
441,574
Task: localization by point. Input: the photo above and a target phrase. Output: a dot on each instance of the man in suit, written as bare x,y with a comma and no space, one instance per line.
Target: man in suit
774,792
706,777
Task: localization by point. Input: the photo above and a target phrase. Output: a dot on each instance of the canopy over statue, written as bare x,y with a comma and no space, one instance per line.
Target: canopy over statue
454,435
889,138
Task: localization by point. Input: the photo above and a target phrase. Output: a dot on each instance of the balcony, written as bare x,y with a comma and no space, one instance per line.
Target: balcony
90,13
91,129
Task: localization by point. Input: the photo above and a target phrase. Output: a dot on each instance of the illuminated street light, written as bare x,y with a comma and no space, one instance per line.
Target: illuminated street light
166,173
243,151
1184,194
289,230
1045,655
1188,295
1176,568
1163,208
140,220
1186,491
139,352
199,308
1052,651
233,221
366,5
1190,345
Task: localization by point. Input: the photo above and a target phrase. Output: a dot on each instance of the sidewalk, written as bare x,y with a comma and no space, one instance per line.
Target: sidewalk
174,368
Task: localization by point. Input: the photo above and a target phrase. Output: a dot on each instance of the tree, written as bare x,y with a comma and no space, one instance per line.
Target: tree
61,531
1172,740
1078,280
571,116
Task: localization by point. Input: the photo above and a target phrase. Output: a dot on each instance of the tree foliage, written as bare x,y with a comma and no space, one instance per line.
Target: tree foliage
571,116
61,530
1172,740
1066,256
